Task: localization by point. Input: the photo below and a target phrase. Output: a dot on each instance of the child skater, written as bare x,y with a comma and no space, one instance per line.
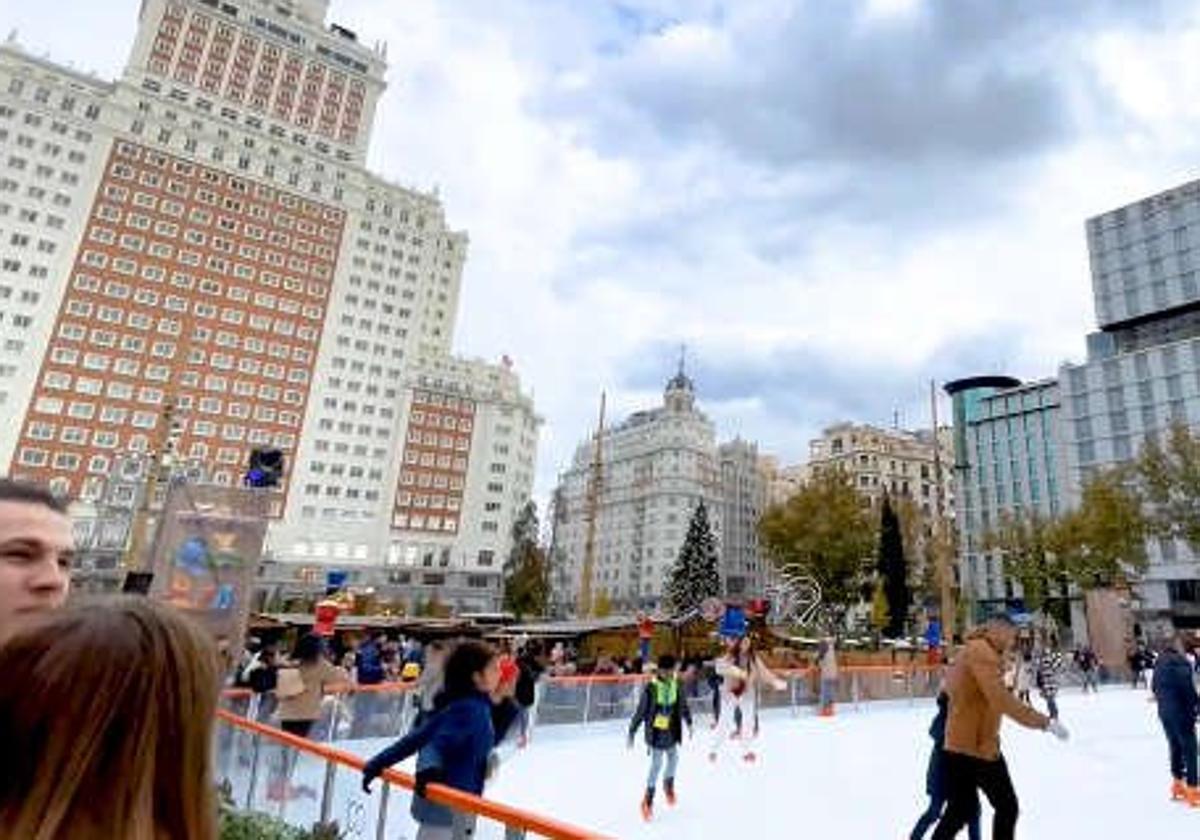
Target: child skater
663,711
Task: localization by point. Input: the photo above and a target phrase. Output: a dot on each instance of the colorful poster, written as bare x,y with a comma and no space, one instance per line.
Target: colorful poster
206,553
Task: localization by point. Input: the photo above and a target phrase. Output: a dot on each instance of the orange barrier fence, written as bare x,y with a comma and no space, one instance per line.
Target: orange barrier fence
242,758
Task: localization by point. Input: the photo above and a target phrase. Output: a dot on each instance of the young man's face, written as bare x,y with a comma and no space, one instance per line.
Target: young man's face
37,547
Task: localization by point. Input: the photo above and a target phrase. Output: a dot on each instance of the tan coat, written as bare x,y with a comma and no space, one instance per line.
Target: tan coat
319,678
978,699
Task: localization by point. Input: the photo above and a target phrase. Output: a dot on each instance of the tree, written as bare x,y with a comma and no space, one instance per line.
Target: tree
1103,541
824,531
695,575
881,618
1168,478
602,605
893,570
1026,544
526,572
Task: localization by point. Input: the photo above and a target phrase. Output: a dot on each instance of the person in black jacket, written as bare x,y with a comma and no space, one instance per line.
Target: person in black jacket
1178,705
663,711
935,778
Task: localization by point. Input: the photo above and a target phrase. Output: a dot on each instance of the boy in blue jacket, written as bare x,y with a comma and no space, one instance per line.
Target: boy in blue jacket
662,710
453,745
935,782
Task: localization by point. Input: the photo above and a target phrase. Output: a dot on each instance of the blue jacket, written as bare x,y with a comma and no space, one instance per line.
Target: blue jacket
456,741
1174,689
370,664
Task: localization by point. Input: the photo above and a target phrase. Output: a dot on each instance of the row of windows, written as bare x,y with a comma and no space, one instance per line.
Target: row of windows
421,522
334,491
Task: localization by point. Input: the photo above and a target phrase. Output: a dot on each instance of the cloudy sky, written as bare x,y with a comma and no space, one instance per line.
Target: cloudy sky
830,202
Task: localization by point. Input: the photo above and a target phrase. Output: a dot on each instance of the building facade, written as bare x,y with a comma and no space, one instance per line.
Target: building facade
1009,461
1142,372
745,486
197,262
894,462
656,467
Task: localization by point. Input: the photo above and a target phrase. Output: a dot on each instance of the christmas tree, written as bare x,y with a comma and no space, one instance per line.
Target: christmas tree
893,570
695,575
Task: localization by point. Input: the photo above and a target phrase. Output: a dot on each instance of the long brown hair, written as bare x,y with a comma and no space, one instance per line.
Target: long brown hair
106,716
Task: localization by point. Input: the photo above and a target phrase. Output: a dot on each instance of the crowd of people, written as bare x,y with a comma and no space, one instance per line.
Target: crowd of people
108,706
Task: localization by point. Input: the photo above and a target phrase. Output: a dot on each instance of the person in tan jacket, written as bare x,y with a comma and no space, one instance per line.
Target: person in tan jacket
973,761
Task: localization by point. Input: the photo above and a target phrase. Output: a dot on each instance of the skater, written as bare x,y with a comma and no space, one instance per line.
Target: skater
1088,664
978,700
743,673
1178,705
1049,664
935,781
455,744
829,677
662,711
1023,681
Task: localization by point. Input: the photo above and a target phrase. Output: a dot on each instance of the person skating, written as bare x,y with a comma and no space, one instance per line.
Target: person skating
1178,705
662,712
935,778
978,700
1089,665
1048,667
829,677
453,745
743,673
1023,683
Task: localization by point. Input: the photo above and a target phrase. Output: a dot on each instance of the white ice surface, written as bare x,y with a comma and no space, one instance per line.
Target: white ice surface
858,775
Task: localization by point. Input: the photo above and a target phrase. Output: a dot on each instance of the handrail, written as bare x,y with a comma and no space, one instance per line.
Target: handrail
609,679
441,794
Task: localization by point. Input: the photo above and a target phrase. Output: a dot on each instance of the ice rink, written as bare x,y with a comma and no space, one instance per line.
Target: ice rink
858,775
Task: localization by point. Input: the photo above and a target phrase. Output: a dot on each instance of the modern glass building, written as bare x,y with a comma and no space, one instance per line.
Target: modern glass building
1008,458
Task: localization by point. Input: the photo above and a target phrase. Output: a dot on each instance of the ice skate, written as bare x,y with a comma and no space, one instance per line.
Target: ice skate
1178,791
750,757
1192,796
648,805
669,789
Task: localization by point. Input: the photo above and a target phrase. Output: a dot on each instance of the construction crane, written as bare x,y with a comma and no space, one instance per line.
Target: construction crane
591,515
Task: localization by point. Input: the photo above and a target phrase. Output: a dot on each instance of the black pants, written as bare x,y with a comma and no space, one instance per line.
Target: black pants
965,776
1181,741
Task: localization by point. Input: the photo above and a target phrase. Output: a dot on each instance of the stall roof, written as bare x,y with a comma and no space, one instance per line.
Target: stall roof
578,627
365,622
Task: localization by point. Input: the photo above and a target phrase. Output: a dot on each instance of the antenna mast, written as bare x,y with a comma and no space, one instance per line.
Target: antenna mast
592,514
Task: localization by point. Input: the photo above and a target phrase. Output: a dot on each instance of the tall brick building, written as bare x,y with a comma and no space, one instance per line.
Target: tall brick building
194,259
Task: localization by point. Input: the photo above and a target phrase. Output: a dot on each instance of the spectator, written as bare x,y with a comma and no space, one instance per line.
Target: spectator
369,670
829,677
37,547
106,711
300,692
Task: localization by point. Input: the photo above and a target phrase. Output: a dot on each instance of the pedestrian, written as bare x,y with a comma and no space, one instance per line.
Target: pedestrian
454,745
829,677
1178,706
37,547
1049,665
973,761
1137,665
662,712
935,778
106,717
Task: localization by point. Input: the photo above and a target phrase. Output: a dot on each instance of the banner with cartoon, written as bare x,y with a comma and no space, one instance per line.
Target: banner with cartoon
205,555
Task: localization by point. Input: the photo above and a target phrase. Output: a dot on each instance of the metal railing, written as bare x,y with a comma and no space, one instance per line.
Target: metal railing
265,770
386,710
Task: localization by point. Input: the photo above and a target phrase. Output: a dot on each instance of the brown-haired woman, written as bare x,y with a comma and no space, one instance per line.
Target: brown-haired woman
106,716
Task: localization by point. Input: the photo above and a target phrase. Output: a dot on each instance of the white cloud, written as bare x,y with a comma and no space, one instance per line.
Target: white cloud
639,176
